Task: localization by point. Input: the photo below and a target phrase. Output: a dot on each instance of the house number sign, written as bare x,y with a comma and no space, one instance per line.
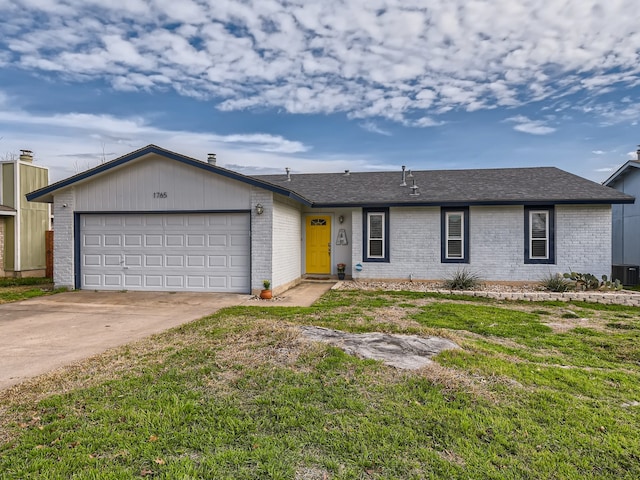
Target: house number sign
159,194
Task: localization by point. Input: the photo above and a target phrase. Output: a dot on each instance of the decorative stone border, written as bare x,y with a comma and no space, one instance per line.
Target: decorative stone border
620,297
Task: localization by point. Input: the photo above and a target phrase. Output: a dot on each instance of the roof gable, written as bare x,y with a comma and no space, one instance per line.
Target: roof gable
630,166
46,194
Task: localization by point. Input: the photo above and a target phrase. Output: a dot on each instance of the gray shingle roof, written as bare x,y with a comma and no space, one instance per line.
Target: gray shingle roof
536,185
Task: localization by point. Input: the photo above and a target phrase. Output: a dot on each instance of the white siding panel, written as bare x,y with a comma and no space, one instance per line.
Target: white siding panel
165,252
134,188
287,238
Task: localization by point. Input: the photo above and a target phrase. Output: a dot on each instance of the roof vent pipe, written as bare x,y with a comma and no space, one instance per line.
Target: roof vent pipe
638,153
211,158
410,175
346,173
404,177
26,156
288,170
414,189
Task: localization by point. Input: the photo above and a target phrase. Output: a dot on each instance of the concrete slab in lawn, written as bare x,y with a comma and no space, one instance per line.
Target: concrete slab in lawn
45,333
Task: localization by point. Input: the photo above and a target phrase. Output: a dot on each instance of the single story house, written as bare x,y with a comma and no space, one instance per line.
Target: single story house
625,243
157,220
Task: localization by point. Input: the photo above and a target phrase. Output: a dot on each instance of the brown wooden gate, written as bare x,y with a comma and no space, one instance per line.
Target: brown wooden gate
48,236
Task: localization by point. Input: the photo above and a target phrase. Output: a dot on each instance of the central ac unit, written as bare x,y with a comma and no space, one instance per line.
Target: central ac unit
627,274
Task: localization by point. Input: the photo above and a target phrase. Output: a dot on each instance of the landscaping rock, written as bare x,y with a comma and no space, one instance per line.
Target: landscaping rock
401,351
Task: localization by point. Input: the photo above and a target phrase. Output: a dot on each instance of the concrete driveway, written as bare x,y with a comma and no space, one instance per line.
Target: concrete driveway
45,333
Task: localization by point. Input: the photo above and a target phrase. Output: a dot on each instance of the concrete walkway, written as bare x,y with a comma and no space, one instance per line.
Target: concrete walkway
302,295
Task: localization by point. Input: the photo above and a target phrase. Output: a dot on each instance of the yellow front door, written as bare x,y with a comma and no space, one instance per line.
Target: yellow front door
318,244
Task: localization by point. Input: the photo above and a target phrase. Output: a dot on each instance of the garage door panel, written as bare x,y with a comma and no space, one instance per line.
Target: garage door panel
239,241
92,260
238,261
133,260
112,260
154,240
197,252
112,240
131,281
238,281
153,260
195,260
196,220
196,281
92,240
217,240
217,261
154,281
94,220
132,240
174,281
174,240
93,280
195,240
174,220
133,220
112,280
113,220
154,220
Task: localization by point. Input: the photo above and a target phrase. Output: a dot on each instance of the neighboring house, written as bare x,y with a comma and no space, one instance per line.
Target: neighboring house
626,218
23,224
158,220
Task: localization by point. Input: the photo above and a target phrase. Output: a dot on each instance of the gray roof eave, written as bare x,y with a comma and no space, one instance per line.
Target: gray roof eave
474,203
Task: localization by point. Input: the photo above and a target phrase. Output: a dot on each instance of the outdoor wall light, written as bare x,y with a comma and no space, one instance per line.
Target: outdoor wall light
259,209
341,219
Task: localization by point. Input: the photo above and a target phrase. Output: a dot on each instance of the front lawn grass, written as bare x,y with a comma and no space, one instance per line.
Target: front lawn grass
531,394
15,289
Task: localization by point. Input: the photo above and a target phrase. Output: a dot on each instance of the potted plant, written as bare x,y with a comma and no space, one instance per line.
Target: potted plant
266,293
341,267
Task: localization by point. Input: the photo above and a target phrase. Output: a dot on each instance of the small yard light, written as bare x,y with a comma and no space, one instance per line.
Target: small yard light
259,209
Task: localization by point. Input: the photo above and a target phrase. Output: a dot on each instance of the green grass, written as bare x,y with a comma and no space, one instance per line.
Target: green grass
15,289
240,395
16,282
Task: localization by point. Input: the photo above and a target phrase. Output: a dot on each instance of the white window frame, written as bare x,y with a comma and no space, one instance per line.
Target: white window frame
449,237
546,232
369,238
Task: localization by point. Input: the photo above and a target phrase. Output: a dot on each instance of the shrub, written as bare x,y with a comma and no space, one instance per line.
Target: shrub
266,284
463,280
555,283
588,281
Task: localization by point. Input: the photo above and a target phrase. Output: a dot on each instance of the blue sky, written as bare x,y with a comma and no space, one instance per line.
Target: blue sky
323,86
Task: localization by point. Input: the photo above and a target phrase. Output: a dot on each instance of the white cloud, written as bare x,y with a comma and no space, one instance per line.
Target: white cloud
389,59
526,125
598,152
373,127
72,141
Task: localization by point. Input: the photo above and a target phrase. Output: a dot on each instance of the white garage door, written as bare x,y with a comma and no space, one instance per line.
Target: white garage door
165,252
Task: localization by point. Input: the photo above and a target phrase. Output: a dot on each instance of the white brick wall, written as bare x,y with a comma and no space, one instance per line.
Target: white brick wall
261,238
287,236
583,243
63,253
